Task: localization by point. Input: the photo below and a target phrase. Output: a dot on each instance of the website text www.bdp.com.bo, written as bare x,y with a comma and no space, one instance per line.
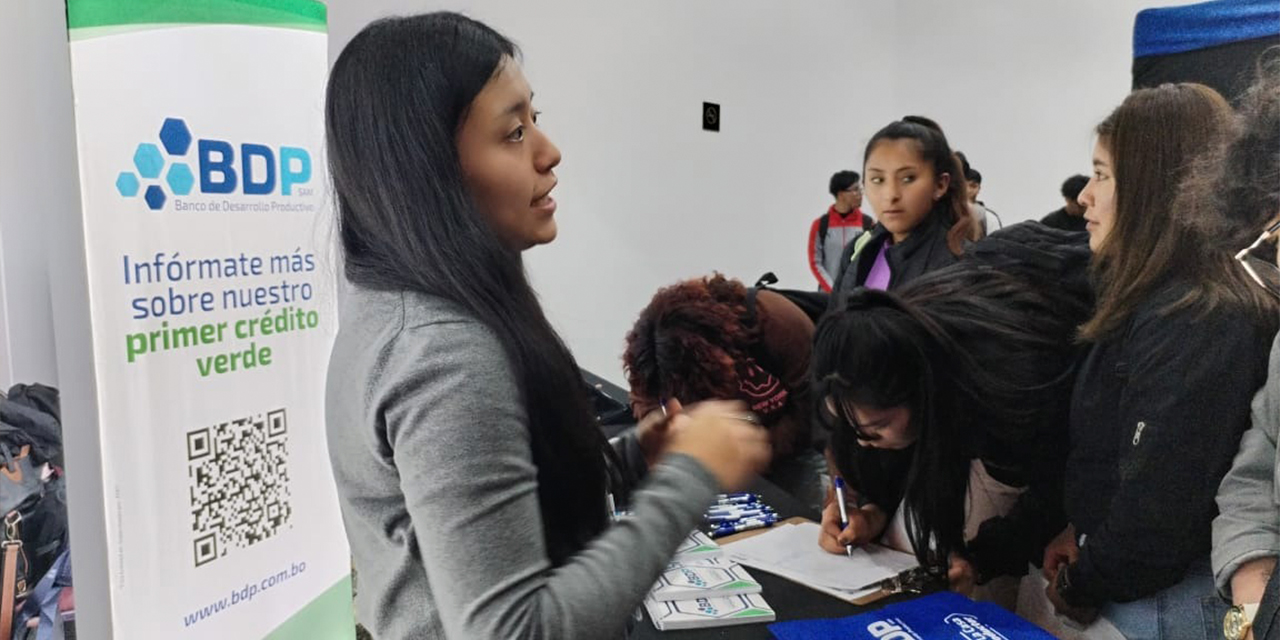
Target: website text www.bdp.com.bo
244,594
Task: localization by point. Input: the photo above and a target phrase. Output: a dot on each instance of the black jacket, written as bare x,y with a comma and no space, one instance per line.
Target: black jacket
1157,415
923,251
1060,219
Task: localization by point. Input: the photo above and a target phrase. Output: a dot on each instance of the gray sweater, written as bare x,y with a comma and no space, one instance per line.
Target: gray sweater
1248,523
432,457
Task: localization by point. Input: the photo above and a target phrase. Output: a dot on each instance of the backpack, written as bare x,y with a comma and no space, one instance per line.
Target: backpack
812,303
762,390
33,508
824,223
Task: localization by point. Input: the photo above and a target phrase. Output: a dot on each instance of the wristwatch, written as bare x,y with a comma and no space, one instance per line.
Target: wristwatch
1238,621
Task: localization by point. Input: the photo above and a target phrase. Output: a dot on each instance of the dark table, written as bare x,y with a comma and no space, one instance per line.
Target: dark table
790,600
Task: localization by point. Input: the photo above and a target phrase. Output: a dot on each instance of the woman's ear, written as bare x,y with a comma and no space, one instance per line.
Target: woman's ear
940,188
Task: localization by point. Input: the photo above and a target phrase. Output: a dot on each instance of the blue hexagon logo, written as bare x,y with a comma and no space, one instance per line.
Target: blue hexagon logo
127,184
175,136
180,178
148,160
154,197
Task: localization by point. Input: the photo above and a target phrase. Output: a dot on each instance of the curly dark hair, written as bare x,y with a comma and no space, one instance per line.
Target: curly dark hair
687,340
1235,189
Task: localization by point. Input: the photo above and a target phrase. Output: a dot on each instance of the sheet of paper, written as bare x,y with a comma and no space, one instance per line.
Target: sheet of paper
792,552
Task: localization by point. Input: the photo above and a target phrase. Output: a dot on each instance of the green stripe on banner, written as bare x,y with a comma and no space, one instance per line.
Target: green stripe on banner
328,617
308,15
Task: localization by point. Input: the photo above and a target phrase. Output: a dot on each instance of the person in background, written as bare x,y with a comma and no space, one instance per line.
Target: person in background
472,477
713,338
917,188
837,228
973,182
1178,344
1237,194
1071,216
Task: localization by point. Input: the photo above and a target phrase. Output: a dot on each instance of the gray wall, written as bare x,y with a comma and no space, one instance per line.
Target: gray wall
44,284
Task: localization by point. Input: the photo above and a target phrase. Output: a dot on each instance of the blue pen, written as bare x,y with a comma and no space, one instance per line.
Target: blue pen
728,528
737,499
741,506
744,525
771,517
738,515
745,515
844,513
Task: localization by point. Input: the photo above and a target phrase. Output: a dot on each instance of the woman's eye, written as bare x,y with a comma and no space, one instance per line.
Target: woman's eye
517,135
536,115
908,179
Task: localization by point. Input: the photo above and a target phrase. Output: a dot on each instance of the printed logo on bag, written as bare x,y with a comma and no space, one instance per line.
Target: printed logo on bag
892,629
761,390
971,628
220,169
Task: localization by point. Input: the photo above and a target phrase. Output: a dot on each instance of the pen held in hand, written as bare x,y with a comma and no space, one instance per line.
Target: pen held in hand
844,513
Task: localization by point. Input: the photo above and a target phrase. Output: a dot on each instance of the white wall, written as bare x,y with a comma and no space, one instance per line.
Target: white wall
1018,86
31,185
42,252
647,197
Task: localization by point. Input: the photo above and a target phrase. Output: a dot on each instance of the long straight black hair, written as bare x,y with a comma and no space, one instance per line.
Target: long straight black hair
397,96
985,359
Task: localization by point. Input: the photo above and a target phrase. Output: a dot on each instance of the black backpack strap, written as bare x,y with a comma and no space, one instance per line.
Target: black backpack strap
762,283
823,225
750,302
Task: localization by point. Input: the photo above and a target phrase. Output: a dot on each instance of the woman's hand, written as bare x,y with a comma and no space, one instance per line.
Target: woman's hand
725,438
1061,552
961,575
866,525
1083,616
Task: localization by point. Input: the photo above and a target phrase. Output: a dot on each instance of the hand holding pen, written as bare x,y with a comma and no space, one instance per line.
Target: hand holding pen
846,525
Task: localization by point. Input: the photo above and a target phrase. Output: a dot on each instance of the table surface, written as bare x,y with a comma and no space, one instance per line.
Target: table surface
790,600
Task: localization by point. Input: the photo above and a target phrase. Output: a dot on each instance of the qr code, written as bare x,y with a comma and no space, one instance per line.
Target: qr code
239,474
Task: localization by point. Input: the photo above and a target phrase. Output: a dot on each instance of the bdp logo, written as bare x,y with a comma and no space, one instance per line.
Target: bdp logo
222,169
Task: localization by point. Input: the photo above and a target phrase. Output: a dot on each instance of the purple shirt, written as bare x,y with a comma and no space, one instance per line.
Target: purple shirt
878,277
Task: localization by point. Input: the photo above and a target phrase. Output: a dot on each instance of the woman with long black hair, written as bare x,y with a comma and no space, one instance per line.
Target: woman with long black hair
948,402
471,475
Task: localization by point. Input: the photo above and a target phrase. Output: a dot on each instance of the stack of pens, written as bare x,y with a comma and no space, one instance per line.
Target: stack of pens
737,512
